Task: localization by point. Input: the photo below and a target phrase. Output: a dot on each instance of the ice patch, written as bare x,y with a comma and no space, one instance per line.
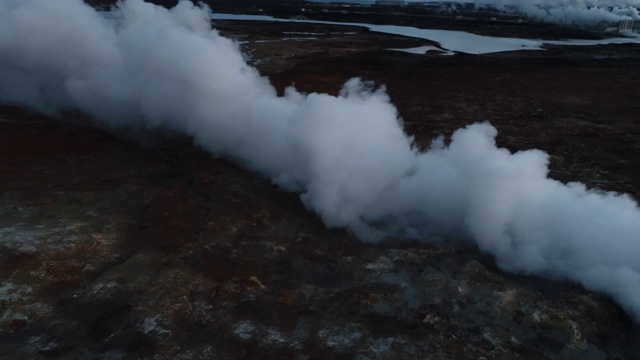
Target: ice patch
9,292
150,325
340,338
245,330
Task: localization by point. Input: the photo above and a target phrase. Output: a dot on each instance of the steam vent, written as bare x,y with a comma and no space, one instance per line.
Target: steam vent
429,181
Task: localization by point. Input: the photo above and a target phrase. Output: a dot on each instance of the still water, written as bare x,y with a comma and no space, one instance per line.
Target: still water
455,41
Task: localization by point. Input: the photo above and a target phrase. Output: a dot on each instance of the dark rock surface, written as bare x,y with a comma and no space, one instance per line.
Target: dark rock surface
113,248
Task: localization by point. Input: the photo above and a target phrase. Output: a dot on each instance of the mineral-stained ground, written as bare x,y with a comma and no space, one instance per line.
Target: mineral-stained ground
142,246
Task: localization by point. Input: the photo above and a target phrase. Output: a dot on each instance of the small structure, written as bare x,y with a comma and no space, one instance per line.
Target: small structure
624,27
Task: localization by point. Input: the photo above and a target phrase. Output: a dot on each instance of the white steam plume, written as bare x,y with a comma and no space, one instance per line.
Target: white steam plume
583,12
347,155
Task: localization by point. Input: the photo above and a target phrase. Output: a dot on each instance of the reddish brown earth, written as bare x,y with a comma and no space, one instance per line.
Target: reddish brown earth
579,104
112,248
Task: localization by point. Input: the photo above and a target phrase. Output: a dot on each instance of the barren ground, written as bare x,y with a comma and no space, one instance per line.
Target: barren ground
112,248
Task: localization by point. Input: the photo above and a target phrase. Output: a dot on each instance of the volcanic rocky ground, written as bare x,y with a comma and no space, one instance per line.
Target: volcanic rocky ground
117,245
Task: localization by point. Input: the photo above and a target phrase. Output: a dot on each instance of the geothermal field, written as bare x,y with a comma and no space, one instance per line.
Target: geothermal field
319,180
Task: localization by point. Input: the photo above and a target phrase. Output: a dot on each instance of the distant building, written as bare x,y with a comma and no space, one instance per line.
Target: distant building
390,2
624,27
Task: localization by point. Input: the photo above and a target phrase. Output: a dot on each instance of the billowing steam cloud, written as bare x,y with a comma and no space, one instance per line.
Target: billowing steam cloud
578,12
347,155
586,12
